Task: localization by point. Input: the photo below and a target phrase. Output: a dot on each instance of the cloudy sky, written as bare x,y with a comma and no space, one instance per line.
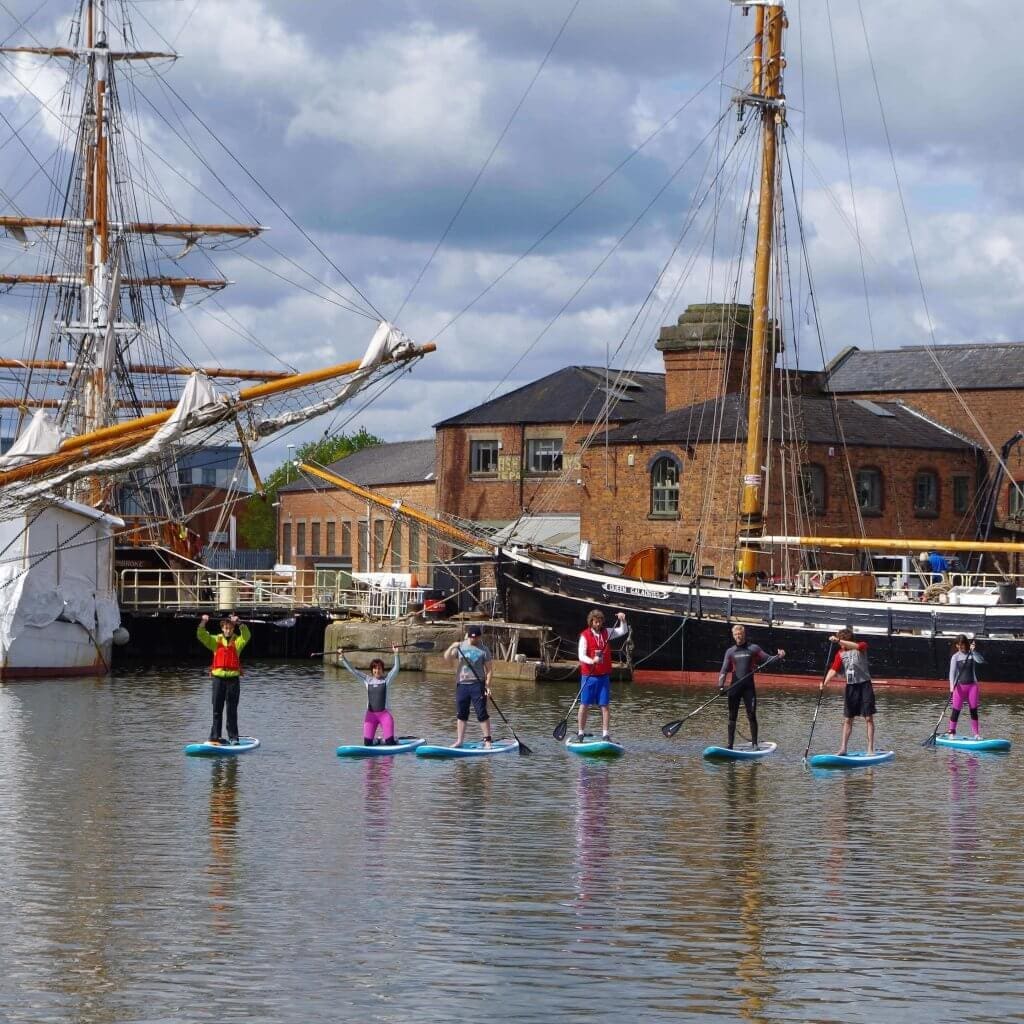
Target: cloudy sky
368,124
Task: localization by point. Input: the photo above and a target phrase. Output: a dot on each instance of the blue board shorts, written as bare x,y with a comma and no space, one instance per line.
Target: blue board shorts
596,690
467,694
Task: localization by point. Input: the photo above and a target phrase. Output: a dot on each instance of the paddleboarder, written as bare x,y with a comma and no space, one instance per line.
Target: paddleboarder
859,697
226,671
963,683
472,683
595,656
742,660
378,692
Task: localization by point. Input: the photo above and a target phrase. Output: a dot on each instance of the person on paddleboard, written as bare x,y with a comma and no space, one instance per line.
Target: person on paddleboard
472,683
859,698
742,660
378,692
963,683
595,655
226,671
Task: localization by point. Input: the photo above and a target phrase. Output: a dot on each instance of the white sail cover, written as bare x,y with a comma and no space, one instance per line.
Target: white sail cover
41,437
387,342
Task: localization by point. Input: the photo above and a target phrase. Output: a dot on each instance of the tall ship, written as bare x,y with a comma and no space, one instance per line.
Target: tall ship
104,403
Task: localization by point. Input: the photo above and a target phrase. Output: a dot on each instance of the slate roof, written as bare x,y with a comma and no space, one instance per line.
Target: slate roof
861,424
574,393
979,366
400,462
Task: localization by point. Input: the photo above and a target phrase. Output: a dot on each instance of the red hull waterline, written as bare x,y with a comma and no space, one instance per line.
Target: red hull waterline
778,681
63,672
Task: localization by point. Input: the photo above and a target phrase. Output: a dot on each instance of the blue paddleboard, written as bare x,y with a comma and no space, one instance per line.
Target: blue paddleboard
855,759
208,749
474,749
589,747
739,753
993,746
405,745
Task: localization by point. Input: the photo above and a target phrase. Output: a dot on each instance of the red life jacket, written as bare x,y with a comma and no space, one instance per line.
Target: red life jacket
597,647
226,655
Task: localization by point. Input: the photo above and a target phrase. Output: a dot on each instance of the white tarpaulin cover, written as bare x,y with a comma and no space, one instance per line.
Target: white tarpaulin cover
41,437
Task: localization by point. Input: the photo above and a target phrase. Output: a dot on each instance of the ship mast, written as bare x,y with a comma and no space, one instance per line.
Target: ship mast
765,94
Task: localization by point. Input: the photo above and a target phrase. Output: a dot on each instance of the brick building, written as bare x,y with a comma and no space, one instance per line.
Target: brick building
986,378
506,455
325,528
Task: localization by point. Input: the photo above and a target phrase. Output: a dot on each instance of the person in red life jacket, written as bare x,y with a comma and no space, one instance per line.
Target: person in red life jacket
226,671
595,656
859,698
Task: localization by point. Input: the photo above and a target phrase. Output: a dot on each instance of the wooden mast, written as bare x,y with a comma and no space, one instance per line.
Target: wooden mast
766,93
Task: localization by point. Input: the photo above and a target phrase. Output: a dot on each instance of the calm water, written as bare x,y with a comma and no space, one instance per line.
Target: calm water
141,885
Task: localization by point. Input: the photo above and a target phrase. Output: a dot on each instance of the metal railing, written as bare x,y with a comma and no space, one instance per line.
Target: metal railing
256,589
896,586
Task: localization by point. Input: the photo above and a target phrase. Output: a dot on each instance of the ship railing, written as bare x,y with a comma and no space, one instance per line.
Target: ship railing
256,589
895,586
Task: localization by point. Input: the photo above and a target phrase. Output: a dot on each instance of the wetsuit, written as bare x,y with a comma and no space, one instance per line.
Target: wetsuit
378,702
963,685
741,660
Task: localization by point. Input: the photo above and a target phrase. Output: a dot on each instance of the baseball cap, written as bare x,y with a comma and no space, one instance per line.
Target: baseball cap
474,631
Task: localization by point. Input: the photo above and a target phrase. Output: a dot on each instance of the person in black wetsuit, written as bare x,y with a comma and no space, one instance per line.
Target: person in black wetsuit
741,660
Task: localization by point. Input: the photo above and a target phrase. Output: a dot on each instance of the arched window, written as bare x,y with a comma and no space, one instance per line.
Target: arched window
812,484
665,487
926,493
869,490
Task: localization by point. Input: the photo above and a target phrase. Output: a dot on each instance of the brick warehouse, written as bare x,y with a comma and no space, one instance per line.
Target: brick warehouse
905,469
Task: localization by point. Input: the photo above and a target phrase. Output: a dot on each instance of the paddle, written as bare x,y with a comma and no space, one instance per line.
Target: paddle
821,693
524,750
563,726
419,645
669,729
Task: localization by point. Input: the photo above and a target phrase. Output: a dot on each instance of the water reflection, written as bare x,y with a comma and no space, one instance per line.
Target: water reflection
963,819
377,788
222,870
593,835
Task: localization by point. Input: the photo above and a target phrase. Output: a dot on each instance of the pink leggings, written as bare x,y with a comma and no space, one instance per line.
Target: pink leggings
968,692
383,719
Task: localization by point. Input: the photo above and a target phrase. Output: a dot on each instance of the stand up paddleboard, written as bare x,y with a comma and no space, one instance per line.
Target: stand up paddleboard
994,746
405,745
856,759
208,749
590,747
474,749
739,753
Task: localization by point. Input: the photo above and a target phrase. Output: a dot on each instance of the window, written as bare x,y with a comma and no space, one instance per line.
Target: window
286,542
926,493
665,487
483,458
300,538
680,563
812,489
330,538
961,494
378,546
314,539
346,540
209,476
1016,502
869,490
544,455
414,548
364,546
396,547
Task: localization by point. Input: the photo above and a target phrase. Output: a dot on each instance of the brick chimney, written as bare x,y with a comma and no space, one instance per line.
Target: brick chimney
704,353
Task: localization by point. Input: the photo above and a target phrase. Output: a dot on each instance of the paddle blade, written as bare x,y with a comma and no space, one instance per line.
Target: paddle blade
669,729
930,742
561,729
423,645
524,750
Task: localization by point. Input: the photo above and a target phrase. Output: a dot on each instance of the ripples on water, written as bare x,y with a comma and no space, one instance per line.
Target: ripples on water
141,885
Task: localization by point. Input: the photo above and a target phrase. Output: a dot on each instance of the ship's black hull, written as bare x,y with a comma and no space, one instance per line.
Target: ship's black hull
674,633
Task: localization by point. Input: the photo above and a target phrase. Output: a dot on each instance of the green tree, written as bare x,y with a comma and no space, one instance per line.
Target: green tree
257,527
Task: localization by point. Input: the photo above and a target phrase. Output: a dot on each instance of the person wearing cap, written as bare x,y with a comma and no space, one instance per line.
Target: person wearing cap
595,657
472,683
934,565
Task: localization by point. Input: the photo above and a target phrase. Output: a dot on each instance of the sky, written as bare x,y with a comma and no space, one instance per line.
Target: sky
368,124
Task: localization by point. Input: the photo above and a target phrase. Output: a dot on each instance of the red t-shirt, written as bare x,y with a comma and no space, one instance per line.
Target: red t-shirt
837,661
